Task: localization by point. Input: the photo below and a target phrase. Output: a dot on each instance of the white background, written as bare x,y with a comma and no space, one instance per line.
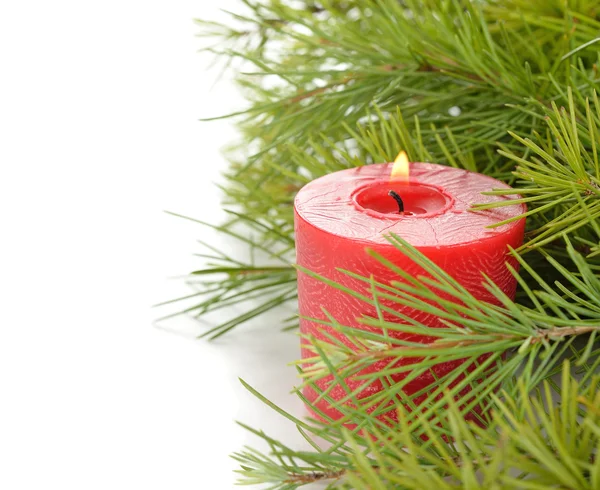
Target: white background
99,133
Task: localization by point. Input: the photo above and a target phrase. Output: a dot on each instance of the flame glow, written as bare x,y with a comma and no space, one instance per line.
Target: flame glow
400,170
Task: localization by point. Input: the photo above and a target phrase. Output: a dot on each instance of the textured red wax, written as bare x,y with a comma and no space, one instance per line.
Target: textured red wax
341,214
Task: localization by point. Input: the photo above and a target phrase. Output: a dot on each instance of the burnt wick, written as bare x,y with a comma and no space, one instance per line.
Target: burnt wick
398,199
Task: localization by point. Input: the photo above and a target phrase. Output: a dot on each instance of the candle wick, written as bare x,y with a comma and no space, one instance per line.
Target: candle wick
398,199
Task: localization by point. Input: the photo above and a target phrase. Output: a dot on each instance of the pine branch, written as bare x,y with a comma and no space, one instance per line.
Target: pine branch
228,281
561,189
507,88
529,444
563,183
399,457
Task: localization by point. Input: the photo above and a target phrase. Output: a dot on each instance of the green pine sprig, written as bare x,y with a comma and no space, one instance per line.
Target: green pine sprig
530,442
507,88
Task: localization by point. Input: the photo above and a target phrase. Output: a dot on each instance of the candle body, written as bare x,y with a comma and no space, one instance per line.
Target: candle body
333,229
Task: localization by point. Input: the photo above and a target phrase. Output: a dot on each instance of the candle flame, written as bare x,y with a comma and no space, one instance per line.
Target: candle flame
400,170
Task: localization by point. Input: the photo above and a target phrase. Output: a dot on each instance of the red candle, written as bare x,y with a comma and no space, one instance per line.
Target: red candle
339,215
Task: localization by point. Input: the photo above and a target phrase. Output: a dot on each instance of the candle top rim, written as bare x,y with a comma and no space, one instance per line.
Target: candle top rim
327,203
406,190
